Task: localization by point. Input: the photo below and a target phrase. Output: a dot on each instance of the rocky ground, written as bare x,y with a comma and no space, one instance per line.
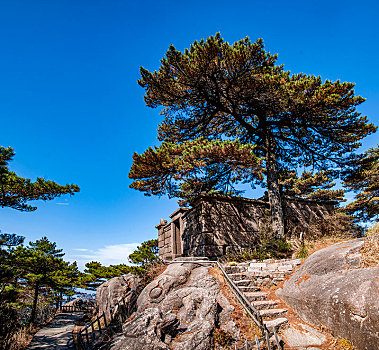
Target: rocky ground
332,290
310,303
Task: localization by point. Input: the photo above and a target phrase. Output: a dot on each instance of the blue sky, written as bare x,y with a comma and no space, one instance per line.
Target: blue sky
71,108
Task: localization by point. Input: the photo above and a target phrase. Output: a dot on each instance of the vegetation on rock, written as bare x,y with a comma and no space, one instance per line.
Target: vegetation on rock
370,249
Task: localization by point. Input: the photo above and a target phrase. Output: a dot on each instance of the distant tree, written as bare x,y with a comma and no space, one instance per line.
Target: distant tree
363,178
16,191
7,264
42,265
145,254
8,292
187,169
216,90
94,275
65,280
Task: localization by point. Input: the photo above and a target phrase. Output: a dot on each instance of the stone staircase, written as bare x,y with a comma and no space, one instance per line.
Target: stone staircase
253,277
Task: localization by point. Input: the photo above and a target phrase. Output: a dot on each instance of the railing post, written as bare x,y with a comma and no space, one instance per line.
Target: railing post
277,339
93,332
87,335
105,320
257,342
267,335
98,323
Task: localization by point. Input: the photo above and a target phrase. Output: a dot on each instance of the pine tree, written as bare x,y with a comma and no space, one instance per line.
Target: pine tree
16,191
363,178
221,91
42,265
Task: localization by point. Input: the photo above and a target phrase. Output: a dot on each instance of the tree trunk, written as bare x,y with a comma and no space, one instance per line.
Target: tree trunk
35,299
273,189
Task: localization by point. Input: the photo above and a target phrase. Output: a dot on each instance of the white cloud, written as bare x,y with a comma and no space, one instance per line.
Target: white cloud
109,255
62,203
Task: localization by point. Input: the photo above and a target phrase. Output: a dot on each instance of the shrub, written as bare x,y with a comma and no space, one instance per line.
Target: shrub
265,249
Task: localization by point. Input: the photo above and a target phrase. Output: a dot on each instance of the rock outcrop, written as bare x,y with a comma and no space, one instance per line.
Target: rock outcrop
330,289
111,291
179,310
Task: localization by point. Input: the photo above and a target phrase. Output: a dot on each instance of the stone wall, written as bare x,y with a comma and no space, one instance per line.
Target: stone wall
164,239
217,225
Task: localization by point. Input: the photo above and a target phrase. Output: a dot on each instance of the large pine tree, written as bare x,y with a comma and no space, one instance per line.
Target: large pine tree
216,90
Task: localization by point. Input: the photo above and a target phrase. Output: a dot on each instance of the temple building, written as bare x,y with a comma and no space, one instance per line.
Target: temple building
216,225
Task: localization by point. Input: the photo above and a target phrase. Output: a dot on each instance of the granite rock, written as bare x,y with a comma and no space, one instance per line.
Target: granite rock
330,289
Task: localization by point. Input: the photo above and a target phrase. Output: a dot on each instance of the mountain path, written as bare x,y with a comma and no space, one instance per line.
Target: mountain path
57,334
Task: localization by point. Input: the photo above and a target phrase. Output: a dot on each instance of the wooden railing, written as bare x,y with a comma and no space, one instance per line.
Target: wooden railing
119,312
75,308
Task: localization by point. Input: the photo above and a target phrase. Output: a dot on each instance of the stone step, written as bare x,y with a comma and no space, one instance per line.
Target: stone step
254,296
272,313
246,289
264,304
245,283
275,324
235,269
237,276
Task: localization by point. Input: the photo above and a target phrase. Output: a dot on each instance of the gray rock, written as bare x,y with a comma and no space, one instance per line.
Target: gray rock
111,291
329,290
179,310
294,337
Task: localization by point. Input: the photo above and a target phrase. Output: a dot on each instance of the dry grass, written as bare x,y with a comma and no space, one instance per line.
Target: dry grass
23,337
312,245
343,344
370,249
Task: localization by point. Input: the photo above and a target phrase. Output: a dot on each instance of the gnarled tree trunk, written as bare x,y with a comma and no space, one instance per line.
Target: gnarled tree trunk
273,189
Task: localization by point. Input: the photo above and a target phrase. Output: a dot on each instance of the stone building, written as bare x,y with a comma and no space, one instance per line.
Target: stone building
216,225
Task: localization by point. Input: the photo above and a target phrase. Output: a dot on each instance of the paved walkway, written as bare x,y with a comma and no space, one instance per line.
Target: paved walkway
57,334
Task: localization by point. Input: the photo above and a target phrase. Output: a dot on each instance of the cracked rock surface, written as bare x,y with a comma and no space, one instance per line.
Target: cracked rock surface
111,291
179,310
330,289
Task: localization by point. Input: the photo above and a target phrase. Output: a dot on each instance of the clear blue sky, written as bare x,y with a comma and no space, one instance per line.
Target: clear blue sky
71,108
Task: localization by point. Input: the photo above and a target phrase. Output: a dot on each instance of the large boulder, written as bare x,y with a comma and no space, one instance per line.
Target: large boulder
179,310
330,289
111,291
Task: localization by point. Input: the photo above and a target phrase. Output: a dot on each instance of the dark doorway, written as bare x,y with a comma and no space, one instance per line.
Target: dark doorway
177,243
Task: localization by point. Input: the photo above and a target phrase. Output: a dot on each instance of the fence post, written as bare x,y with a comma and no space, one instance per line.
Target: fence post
87,335
98,323
267,335
257,343
277,339
105,320
93,332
